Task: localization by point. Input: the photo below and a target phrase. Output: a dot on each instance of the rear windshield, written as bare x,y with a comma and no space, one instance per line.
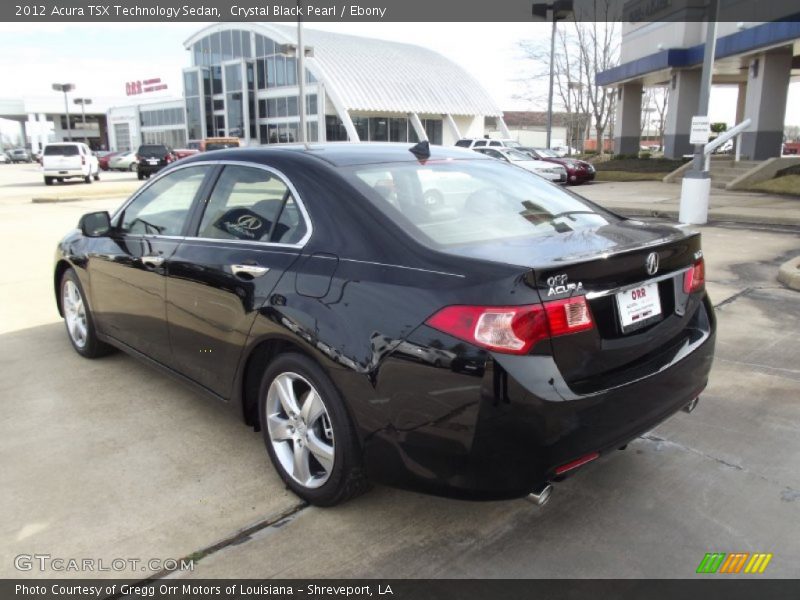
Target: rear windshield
157,151
455,202
61,150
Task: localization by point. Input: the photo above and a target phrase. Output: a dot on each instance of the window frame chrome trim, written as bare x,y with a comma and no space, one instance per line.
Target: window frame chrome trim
280,174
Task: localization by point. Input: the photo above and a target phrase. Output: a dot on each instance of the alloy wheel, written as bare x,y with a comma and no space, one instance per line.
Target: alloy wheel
300,429
74,313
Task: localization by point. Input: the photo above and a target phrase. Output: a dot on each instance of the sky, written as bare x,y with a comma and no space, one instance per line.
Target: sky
100,58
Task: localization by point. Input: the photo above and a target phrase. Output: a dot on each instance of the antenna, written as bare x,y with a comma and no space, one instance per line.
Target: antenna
421,150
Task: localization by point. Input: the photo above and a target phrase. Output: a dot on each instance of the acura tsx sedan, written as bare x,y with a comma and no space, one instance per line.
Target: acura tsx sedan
424,317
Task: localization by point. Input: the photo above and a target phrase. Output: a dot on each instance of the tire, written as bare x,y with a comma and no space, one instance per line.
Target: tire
140,176
295,437
78,318
48,181
97,175
60,180
133,167
88,178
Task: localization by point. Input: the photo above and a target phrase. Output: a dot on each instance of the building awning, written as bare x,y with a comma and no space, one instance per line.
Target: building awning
741,42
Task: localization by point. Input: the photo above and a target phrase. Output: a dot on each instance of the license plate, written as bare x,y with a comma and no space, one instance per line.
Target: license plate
152,161
638,306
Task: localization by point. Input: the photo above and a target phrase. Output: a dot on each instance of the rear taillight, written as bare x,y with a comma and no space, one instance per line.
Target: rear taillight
570,315
513,329
694,280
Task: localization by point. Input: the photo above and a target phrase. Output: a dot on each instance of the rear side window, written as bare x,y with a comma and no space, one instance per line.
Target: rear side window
61,150
463,143
465,202
250,204
480,143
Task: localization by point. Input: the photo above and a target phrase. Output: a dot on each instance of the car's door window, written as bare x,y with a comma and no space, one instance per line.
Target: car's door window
162,208
480,143
251,204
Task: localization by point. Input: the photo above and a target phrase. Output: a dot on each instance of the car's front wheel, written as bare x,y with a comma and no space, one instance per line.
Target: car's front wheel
308,433
78,318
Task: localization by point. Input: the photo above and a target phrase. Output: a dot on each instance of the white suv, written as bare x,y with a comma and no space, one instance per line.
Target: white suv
68,160
487,142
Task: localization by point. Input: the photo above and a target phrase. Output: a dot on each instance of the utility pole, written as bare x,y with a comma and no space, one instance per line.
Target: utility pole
65,87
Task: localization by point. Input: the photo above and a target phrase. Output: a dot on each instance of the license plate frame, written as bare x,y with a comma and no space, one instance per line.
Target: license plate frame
152,161
639,306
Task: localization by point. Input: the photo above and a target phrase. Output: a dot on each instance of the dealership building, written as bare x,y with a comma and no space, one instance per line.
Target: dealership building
242,82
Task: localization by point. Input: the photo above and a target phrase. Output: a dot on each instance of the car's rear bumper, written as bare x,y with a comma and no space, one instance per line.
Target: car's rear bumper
146,168
65,173
484,434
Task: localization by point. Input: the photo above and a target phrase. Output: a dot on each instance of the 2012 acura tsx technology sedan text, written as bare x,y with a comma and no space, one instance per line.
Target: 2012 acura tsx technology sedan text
424,317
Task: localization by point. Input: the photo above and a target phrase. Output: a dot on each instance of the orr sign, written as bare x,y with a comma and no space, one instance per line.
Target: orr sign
134,88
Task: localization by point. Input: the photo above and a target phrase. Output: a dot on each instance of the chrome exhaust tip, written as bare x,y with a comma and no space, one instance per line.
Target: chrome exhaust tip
541,497
691,406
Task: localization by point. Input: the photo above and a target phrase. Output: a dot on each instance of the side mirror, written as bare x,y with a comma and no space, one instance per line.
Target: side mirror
96,224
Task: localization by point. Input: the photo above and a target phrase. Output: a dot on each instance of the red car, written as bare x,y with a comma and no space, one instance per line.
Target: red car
578,171
102,159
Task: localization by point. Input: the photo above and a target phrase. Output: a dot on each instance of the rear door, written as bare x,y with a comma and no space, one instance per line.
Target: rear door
245,236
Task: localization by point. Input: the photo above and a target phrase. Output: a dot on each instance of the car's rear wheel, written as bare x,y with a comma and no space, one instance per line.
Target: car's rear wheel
133,167
308,433
97,175
48,181
78,318
140,175
88,178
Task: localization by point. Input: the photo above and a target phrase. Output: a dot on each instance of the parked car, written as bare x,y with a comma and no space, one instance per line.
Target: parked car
124,161
548,170
20,155
4,158
578,171
151,158
103,159
487,142
479,348
564,150
69,160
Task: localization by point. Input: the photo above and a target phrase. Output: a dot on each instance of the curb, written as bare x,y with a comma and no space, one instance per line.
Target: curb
54,200
789,273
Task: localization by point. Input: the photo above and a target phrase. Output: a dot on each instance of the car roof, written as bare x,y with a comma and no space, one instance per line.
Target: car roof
339,154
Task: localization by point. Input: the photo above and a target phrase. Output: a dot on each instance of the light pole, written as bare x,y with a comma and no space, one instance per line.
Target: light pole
65,87
696,184
83,102
552,11
301,73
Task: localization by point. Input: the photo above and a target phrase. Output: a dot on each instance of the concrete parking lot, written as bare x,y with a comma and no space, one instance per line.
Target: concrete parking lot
110,459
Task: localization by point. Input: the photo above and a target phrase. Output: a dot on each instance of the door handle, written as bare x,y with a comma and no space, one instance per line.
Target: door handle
152,261
248,270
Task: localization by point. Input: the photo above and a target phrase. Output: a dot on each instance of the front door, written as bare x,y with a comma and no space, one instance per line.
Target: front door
248,234
128,269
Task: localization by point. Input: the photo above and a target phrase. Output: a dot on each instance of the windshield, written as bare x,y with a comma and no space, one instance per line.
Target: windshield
547,153
513,144
455,202
152,151
516,155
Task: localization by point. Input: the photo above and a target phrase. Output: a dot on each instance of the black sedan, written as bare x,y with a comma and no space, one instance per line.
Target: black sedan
424,317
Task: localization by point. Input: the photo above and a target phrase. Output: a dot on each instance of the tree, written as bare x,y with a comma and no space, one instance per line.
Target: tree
582,50
654,101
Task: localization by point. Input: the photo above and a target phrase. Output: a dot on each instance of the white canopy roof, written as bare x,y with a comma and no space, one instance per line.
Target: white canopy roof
366,74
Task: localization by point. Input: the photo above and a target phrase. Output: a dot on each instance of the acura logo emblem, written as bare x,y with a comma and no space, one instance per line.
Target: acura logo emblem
248,222
651,264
